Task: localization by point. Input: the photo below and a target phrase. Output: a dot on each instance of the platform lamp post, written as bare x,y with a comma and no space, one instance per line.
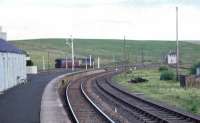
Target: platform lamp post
90,61
71,42
67,44
98,62
43,63
125,53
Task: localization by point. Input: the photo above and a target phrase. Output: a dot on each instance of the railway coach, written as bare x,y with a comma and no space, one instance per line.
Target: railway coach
78,62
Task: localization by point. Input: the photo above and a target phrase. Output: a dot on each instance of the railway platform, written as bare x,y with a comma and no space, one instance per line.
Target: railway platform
21,104
52,110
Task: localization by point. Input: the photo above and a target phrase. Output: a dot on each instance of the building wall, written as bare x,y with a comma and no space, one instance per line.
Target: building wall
1,73
12,69
3,35
171,59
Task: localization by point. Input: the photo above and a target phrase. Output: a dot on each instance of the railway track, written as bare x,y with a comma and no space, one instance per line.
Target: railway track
82,107
142,109
132,108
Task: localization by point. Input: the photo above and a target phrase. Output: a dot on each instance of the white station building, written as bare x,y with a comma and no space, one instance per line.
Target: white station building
3,35
12,65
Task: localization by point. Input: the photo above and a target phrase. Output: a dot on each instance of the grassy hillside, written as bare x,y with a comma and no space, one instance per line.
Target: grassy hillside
106,49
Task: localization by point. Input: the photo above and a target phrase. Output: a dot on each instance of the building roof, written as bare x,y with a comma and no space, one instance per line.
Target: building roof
8,47
172,53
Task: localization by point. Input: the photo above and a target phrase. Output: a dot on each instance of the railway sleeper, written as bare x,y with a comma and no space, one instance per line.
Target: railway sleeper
178,114
170,116
178,118
132,106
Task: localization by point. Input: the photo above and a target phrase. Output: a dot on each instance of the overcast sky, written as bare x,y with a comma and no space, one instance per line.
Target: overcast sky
137,19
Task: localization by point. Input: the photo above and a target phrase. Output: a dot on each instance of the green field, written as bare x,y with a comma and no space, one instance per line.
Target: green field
164,91
106,49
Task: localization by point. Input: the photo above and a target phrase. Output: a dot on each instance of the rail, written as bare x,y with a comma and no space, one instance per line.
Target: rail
87,97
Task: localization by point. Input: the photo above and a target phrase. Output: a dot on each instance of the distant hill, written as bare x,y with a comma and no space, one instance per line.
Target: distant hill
107,49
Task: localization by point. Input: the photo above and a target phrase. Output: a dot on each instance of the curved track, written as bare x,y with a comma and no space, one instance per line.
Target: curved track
131,107
142,109
82,108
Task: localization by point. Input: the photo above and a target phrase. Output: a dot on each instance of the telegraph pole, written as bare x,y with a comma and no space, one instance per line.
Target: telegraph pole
98,62
66,64
142,56
113,60
86,67
48,61
72,47
125,54
177,47
43,63
128,57
136,58
124,48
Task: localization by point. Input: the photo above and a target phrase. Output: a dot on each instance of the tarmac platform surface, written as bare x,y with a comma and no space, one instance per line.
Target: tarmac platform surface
22,103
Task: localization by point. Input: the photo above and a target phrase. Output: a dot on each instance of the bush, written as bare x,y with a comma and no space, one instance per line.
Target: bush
128,71
193,68
29,63
138,80
167,75
163,68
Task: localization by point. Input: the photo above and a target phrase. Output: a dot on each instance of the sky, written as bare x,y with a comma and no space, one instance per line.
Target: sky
136,19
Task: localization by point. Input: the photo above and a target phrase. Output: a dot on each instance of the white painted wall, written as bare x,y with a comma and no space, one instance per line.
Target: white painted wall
198,71
3,35
12,66
31,70
1,73
171,59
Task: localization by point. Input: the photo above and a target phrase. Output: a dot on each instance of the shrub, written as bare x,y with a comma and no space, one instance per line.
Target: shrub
29,63
138,80
193,68
167,75
163,68
128,71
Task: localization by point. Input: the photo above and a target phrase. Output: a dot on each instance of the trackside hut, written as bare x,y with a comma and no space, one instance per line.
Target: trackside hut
12,65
